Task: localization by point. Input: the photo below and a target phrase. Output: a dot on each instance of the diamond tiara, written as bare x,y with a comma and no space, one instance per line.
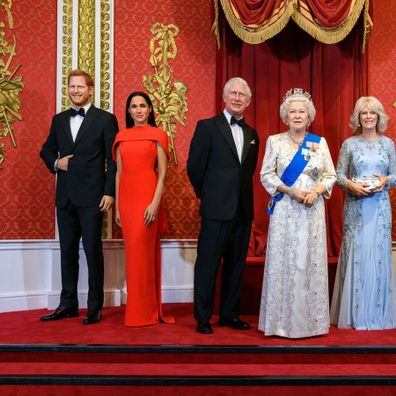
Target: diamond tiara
297,92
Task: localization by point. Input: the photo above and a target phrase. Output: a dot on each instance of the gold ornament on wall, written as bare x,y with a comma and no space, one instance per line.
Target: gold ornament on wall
10,85
167,94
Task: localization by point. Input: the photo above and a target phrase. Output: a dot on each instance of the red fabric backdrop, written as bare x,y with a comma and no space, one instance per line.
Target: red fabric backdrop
335,75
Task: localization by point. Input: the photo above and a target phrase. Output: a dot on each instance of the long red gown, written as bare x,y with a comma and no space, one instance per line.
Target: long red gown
138,180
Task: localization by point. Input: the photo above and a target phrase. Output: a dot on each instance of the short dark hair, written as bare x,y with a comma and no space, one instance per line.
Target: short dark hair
128,118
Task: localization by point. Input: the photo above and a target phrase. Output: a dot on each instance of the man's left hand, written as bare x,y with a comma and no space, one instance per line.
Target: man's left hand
106,203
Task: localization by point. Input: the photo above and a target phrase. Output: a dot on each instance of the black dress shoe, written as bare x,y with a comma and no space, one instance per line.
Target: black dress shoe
204,328
92,317
61,313
235,323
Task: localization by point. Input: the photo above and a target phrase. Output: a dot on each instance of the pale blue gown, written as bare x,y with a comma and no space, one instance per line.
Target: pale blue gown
364,289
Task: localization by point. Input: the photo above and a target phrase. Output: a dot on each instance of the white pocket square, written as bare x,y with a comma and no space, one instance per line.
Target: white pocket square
253,142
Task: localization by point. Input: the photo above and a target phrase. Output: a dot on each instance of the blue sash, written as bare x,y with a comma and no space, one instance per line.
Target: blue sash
293,170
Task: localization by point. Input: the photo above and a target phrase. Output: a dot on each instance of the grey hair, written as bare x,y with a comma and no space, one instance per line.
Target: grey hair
239,80
373,104
284,107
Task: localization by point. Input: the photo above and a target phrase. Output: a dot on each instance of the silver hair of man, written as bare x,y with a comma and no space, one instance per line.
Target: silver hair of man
239,80
373,104
284,107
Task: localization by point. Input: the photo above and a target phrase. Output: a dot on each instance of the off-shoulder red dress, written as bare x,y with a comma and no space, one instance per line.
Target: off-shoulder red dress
138,180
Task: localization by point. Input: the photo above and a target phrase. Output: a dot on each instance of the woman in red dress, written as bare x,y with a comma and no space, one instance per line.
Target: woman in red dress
141,152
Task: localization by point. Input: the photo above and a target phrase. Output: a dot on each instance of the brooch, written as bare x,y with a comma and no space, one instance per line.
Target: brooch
314,173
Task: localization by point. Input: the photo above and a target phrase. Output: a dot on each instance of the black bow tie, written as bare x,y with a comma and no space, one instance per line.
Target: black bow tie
240,122
74,112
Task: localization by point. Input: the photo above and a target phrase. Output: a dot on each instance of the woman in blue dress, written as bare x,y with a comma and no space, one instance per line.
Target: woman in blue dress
364,289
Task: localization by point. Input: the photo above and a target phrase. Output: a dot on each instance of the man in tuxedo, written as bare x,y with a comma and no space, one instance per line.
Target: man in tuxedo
78,151
221,163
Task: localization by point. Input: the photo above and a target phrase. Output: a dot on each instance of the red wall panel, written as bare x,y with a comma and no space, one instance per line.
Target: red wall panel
26,186
382,70
194,66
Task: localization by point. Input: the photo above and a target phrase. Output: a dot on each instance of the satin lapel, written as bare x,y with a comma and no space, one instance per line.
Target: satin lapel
222,123
66,127
247,142
88,119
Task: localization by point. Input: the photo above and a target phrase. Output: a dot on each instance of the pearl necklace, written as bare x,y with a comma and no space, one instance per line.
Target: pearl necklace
294,140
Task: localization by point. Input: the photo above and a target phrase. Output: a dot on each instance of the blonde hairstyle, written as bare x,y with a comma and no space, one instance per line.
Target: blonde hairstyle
297,97
82,73
373,104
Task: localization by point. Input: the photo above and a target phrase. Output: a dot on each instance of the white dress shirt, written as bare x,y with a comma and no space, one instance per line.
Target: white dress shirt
76,121
237,134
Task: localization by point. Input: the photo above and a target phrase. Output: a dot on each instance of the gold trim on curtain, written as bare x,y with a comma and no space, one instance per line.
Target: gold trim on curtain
300,13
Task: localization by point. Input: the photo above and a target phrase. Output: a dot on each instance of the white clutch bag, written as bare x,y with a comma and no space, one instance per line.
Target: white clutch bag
370,181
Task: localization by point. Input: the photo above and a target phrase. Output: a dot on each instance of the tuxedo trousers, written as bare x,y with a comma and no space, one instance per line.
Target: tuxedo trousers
85,223
227,240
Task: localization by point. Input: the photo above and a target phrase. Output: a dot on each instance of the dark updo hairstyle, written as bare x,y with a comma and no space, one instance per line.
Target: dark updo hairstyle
128,118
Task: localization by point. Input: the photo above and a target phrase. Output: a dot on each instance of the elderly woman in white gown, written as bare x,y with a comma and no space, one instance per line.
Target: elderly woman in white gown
298,173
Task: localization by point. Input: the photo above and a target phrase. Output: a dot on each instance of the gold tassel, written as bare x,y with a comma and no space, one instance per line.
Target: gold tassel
368,25
330,36
261,33
215,27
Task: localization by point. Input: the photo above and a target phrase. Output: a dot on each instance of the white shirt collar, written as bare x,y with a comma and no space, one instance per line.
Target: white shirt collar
86,107
228,116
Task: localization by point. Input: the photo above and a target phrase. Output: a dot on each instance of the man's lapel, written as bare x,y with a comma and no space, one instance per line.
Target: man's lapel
248,141
66,127
223,125
88,119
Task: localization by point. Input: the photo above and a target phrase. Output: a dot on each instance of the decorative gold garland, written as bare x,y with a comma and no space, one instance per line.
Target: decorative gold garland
10,86
297,11
167,94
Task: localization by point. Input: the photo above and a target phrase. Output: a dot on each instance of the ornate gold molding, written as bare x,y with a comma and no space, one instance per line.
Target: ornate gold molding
10,85
86,36
67,42
167,94
105,54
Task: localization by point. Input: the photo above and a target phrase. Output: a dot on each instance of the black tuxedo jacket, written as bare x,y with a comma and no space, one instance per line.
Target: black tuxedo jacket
213,167
86,180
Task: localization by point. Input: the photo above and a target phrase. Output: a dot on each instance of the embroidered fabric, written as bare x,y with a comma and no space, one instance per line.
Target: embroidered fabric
364,290
295,301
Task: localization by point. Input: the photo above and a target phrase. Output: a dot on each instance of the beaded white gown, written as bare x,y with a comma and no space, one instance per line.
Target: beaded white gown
295,301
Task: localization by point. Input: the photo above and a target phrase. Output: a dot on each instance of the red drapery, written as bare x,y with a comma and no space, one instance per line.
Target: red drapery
329,14
328,21
255,12
335,75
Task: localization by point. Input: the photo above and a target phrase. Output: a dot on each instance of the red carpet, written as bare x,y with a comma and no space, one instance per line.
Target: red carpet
109,358
26,328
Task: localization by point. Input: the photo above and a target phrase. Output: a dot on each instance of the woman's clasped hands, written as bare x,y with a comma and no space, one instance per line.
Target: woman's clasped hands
307,198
